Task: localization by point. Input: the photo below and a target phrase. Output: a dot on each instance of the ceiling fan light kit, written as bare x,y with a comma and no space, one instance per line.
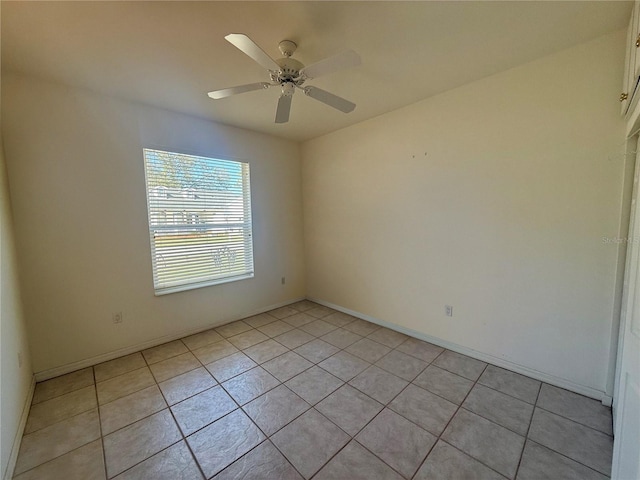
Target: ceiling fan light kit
290,74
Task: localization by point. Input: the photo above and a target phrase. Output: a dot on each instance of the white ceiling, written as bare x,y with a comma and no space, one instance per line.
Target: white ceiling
170,54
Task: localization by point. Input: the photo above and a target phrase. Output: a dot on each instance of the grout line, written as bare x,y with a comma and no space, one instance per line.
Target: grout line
104,453
65,418
461,407
526,436
148,458
574,421
568,458
473,458
439,437
184,439
61,455
508,395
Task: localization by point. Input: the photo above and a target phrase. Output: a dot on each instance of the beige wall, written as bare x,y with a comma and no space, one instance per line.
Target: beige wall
15,378
494,198
77,183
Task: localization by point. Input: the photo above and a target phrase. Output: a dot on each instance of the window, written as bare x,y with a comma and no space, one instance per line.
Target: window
199,220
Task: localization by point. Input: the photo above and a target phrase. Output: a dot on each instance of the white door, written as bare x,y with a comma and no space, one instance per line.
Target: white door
626,445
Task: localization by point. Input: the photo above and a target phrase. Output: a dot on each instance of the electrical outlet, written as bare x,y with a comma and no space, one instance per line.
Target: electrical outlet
448,310
117,317
282,281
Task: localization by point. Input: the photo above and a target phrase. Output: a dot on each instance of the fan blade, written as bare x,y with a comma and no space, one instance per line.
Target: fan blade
248,46
346,59
227,92
330,99
284,107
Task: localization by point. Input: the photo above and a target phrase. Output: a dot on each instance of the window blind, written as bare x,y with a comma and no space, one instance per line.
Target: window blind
199,220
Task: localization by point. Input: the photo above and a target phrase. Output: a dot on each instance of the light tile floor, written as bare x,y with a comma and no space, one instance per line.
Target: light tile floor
307,392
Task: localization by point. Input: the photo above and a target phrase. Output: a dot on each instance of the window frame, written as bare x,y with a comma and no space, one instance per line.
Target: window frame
246,225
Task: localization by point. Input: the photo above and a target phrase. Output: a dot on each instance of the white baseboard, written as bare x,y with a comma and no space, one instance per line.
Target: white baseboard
89,362
500,362
17,440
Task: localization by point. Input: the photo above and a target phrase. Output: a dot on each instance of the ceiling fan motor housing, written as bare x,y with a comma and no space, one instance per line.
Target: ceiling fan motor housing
289,70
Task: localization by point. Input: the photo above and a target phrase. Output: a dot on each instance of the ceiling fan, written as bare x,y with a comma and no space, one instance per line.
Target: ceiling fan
289,74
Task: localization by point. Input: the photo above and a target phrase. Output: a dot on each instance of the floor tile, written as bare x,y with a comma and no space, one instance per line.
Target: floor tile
233,328
344,365
59,408
294,338
320,311
113,368
262,463
199,340
303,305
84,463
317,350
123,385
224,441
275,409
388,337
249,385
500,408
247,339
355,462
540,462
313,415
202,409
578,408
514,384
259,320
582,444
186,385
174,463
230,366
349,408
361,327
309,442
164,351
215,351
339,319
318,328
57,439
286,366
446,463
446,384
423,408
276,328
379,384
402,365
398,442
314,384
462,365
265,351
341,338
130,445
64,384
282,312
299,319
174,366
127,410
368,350
493,445
425,351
